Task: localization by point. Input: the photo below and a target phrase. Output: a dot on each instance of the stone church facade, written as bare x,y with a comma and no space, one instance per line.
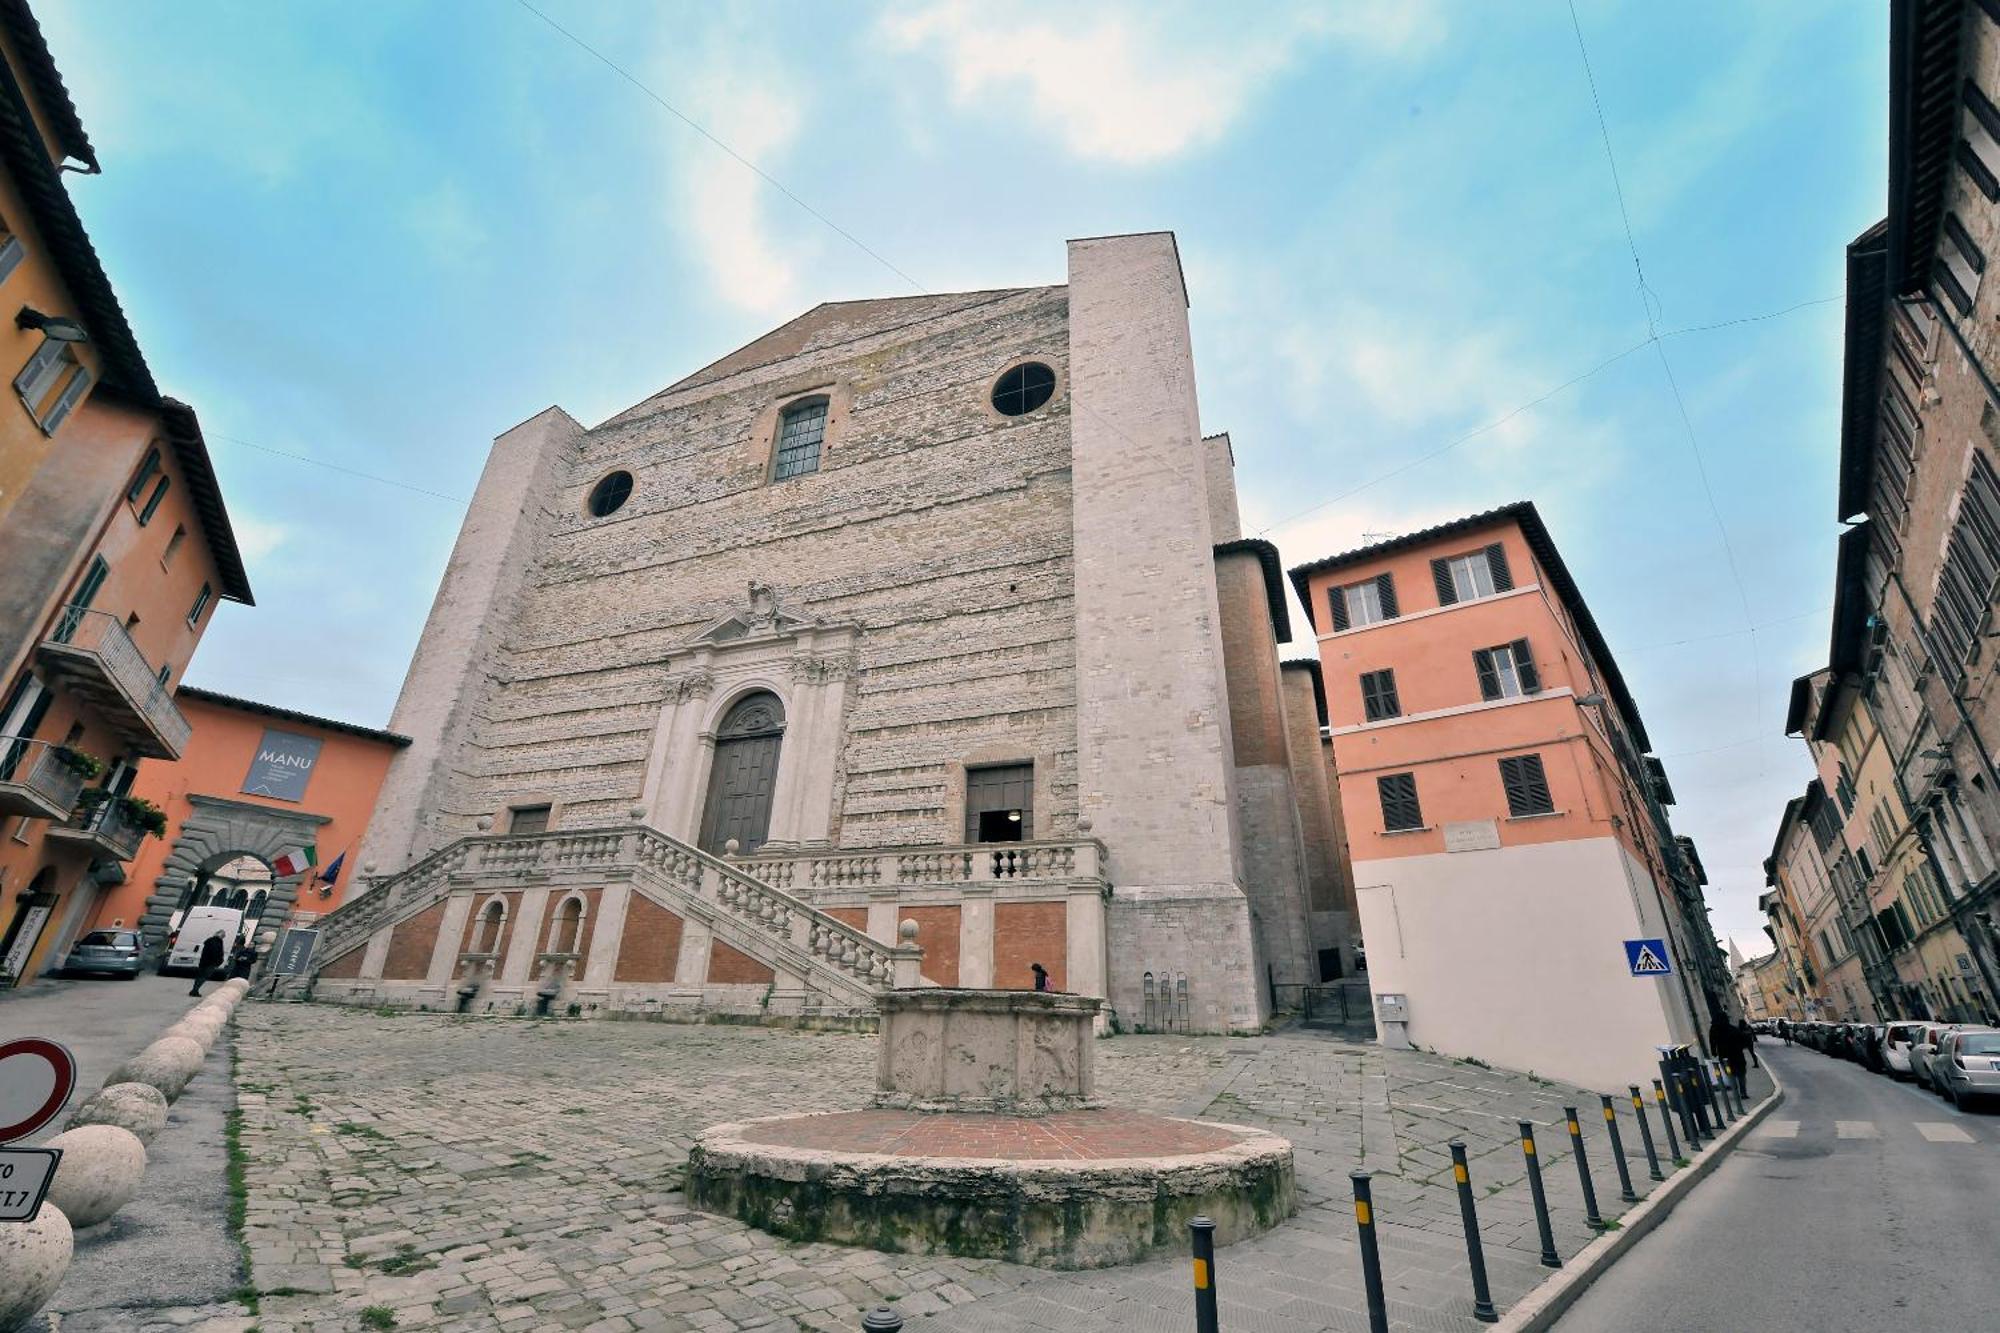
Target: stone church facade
929,610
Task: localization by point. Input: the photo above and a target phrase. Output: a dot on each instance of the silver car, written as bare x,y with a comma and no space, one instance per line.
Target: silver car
1967,1067
118,952
1923,1047
1896,1044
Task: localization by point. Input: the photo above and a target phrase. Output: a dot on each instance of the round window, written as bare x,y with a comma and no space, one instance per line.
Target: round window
609,495
1023,389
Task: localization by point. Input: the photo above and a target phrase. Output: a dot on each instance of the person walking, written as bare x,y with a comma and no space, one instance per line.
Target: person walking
1748,1035
212,950
1041,976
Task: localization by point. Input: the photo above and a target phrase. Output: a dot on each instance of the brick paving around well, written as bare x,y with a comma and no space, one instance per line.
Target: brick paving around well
512,1174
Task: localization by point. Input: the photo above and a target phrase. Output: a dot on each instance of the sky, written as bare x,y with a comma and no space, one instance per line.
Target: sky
365,239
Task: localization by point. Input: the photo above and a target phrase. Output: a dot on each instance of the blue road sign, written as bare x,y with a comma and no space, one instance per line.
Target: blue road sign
1648,958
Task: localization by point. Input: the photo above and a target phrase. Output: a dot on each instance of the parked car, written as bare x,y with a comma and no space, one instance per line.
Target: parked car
1896,1044
114,952
1924,1050
1967,1068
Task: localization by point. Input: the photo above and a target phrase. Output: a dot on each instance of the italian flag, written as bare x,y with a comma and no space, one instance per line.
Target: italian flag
292,862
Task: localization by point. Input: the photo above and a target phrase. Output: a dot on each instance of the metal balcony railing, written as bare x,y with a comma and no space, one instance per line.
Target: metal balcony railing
105,828
35,781
95,657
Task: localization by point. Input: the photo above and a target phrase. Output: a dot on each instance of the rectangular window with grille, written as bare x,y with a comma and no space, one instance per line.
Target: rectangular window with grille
525,819
1507,671
1527,786
801,430
1363,603
1378,695
1400,810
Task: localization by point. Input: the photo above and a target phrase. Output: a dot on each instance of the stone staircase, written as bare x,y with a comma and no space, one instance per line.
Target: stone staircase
838,963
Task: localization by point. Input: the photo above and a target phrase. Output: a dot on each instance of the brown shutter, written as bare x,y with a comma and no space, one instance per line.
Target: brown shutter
1496,565
1398,792
1441,576
1385,588
1336,606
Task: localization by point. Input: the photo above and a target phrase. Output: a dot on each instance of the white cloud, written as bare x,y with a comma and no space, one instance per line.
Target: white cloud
257,537
745,100
1138,84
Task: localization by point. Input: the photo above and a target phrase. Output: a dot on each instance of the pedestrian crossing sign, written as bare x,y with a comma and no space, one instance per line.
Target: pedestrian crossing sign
1648,958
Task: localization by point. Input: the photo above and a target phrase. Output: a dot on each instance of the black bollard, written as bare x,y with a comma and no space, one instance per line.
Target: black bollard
1684,1101
1550,1259
1203,1232
881,1319
1666,1120
1618,1152
1703,1097
1590,1214
1371,1257
1468,1212
1645,1134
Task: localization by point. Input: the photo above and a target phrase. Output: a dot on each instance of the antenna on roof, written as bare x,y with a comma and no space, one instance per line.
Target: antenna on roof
1367,537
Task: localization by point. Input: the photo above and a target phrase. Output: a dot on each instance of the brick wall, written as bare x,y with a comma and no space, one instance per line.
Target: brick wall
727,965
937,935
411,945
1025,933
651,943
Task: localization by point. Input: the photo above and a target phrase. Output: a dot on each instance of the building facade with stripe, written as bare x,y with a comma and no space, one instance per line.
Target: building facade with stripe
1507,824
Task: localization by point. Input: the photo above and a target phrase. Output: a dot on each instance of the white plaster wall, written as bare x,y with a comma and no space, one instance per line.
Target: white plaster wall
1517,956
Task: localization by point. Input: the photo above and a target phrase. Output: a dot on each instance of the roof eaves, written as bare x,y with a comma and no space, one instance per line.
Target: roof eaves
1274,579
1924,41
1861,371
50,91
292,715
1311,666
183,432
1850,603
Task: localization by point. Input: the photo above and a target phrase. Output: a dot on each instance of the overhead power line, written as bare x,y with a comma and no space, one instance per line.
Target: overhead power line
336,467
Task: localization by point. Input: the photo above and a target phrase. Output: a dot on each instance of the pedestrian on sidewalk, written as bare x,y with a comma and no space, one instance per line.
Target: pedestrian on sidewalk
1748,1035
211,958
242,958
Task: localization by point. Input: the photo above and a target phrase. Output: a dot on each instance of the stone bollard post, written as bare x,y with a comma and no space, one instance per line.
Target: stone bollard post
34,1255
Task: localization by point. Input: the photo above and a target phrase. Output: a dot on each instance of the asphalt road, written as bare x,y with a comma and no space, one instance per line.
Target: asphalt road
167,1254
1858,1204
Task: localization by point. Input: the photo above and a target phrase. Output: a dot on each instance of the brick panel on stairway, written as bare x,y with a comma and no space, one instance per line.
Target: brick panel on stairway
651,944
727,965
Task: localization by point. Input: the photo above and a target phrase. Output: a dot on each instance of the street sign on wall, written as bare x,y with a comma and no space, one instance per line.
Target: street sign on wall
1648,958
283,765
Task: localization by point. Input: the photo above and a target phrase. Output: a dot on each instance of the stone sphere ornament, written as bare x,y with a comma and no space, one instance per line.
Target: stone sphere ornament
169,1064
137,1107
34,1255
100,1172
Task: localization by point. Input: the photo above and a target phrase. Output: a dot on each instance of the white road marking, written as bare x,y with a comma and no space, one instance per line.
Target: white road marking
1855,1129
1778,1129
1937,1131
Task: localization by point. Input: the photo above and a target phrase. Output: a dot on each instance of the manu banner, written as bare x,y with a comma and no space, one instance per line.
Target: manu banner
283,765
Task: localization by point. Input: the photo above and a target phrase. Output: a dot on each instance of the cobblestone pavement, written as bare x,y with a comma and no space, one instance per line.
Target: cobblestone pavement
463,1174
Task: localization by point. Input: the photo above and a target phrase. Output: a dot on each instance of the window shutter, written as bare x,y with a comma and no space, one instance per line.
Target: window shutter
33,381
11,252
1441,576
1527,786
1524,667
1336,606
1398,792
153,501
1489,679
72,393
144,475
1496,565
1385,588
1391,705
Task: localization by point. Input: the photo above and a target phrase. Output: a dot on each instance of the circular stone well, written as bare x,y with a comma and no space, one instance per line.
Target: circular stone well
938,1166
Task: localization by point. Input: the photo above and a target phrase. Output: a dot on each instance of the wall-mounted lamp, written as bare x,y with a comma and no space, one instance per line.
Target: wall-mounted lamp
58,328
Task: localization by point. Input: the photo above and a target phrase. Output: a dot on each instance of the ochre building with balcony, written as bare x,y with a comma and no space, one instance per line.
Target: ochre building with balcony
928,611
1507,826
114,542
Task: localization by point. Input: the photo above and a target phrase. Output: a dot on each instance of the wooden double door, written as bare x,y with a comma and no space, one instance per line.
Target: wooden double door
744,775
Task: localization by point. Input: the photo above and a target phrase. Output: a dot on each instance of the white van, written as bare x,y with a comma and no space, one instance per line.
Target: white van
184,951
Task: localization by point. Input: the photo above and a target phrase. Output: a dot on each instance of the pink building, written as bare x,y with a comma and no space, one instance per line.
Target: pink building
1507,827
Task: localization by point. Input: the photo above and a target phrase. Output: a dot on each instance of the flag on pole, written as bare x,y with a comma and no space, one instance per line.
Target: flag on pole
332,871
292,862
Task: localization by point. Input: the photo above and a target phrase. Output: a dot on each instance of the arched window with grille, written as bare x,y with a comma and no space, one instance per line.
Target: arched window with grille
801,432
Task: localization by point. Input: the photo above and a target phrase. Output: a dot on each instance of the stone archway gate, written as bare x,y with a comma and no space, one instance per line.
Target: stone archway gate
221,828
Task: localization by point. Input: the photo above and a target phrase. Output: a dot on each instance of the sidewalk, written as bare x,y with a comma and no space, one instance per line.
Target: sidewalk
166,1259
469,1174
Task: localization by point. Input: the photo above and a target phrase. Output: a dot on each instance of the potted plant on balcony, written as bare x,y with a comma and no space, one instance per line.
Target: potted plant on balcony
143,814
85,766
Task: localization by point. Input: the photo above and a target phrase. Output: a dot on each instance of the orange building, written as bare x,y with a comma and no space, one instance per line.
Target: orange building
114,543
1508,831
255,782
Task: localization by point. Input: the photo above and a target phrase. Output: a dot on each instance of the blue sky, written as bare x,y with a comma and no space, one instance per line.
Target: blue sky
377,235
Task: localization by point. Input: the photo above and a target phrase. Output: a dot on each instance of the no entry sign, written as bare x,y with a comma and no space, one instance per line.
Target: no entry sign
36,1078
